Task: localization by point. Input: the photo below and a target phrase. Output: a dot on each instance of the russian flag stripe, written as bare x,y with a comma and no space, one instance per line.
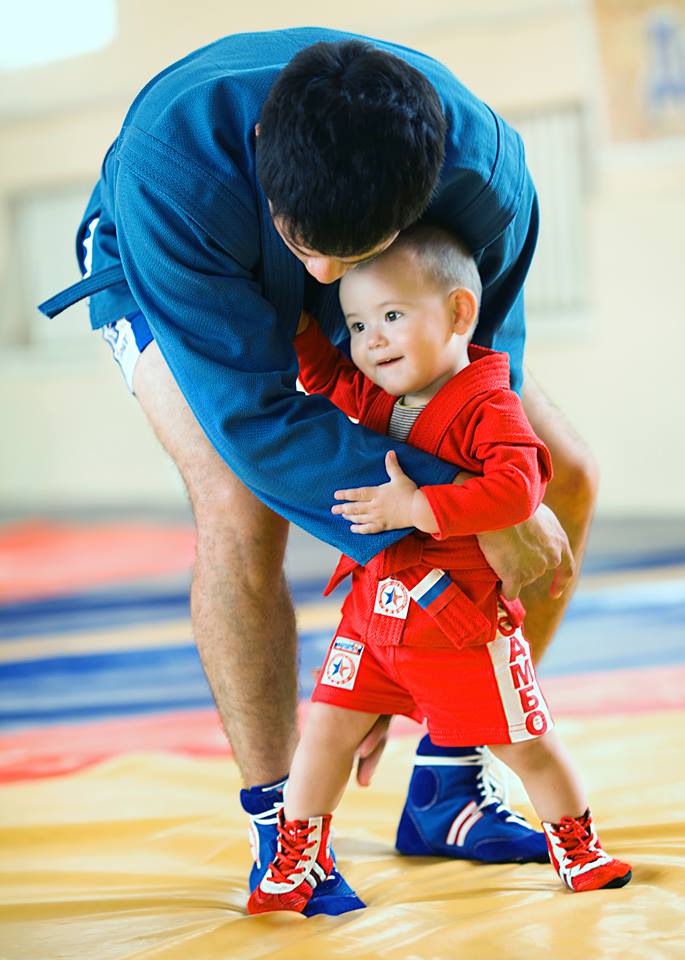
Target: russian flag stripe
442,599
431,587
436,591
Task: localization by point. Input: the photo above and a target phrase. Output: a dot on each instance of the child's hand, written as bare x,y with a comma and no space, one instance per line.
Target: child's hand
387,507
303,324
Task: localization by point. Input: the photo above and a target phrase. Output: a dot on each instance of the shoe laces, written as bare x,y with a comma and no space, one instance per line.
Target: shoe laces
574,839
267,817
493,788
292,843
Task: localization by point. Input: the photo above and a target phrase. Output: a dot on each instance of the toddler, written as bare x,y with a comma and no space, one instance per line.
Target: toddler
424,631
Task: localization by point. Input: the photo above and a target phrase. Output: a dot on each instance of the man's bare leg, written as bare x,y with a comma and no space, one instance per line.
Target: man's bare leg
242,615
571,495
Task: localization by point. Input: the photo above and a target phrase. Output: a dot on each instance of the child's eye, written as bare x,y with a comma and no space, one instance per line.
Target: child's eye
357,327
392,315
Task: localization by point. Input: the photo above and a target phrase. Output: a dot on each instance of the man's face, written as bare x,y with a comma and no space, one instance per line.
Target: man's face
323,268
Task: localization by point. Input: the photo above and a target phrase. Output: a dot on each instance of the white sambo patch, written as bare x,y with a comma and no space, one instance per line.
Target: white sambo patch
341,667
392,599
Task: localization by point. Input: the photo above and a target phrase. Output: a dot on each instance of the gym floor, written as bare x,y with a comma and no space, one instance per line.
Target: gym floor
122,837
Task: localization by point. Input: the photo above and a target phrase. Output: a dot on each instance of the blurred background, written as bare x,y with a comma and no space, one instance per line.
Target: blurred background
597,89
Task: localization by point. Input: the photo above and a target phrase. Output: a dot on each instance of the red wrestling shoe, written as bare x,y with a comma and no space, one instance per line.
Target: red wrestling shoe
578,857
303,861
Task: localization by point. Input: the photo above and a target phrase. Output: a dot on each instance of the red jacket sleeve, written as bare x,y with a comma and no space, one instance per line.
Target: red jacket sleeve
516,469
325,370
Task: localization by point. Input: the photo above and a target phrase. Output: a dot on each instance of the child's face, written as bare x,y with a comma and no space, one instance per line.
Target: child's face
405,333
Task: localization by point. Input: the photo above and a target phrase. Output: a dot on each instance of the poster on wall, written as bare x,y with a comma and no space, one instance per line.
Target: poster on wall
642,50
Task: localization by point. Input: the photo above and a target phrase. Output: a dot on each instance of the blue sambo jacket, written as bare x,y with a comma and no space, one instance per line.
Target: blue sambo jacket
185,236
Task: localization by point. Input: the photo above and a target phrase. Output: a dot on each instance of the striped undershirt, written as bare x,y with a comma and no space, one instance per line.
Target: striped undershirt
402,420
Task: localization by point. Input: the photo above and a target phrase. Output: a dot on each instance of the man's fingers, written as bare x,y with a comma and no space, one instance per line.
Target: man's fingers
366,766
371,749
511,588
563,575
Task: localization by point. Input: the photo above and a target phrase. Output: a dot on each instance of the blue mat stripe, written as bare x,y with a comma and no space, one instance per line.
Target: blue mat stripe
100,610
113,684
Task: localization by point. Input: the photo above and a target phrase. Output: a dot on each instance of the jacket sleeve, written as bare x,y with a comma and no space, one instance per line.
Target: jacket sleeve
516,469
233,359
327,371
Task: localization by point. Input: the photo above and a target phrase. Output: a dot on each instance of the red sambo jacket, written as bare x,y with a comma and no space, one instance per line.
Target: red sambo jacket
478,423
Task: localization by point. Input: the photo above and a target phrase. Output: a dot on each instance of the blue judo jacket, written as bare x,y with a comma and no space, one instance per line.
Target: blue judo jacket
185,236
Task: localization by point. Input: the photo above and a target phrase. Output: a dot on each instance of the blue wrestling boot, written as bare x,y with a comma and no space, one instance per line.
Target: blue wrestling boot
456,807
262,804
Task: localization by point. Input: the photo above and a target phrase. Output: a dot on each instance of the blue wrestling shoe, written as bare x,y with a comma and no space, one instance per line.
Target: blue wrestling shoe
456,807
262,804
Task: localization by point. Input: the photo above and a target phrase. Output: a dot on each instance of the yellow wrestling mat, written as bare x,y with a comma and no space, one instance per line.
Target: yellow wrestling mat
144,857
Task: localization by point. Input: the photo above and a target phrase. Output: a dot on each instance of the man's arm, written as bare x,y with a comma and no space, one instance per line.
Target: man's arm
235,364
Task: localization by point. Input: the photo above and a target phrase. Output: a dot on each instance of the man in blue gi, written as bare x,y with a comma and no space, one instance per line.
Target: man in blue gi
246,180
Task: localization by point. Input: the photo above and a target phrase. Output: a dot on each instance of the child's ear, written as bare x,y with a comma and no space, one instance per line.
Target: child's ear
464,309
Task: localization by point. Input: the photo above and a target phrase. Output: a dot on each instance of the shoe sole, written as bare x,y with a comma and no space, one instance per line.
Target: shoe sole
618,881
471,858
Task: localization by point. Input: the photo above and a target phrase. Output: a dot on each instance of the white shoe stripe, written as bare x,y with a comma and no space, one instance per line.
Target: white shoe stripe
471,760
463,815
467,826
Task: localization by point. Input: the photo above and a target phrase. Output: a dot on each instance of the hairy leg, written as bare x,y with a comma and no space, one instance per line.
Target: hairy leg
243,619
548,775
571,495
323,759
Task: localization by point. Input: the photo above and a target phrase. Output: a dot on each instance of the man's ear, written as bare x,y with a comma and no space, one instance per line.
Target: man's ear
256,129
464,309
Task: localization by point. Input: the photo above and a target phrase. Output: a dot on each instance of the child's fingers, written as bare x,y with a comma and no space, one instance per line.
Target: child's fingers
392,466
361,493
353,509
348,510
366,528
360,518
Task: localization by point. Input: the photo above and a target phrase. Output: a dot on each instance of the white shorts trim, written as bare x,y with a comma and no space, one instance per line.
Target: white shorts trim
121,338
524,706
119,335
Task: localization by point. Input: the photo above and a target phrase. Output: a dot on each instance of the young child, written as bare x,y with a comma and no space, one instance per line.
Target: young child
424,631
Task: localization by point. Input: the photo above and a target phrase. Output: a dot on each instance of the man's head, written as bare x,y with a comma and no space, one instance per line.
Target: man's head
411,311
350,146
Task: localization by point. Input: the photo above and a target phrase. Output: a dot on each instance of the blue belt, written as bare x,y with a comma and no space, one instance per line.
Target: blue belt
84,288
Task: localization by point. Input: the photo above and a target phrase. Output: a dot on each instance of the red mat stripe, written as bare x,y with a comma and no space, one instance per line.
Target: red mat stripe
51,751
44,559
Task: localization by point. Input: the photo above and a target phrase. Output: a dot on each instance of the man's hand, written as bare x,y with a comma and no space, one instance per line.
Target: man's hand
371,749
523,554
387,507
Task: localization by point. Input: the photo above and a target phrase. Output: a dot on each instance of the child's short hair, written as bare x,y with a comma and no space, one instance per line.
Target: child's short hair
442,255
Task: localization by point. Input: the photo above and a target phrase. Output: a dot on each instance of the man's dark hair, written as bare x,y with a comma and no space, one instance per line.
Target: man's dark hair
350,146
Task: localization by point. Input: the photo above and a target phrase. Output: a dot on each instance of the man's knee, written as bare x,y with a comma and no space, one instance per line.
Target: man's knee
576,473
573,491
235,528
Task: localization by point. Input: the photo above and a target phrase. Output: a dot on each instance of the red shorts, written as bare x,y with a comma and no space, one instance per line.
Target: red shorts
478,695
